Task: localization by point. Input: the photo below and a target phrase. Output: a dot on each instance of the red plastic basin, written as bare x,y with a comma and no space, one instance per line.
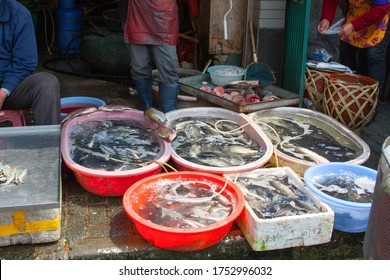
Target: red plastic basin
110,183
178,239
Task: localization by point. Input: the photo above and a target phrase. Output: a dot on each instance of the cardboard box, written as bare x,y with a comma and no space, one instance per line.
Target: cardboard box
30,212
285,231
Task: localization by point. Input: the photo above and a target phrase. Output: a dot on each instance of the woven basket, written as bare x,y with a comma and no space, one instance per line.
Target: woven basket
351,99
315,86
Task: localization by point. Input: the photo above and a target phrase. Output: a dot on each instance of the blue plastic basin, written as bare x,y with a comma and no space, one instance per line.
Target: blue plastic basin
69,104
349,216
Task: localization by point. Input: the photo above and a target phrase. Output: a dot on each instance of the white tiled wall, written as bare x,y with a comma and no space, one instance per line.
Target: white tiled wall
269,14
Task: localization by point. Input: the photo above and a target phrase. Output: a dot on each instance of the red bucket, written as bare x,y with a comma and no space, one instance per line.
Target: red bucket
110,183
181,239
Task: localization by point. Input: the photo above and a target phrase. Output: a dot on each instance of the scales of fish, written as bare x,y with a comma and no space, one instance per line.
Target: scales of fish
212,141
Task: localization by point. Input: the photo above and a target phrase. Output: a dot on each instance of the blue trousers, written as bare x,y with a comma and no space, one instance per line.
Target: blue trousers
369,62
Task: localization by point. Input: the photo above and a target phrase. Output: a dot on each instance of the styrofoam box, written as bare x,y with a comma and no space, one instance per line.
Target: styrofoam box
30,213
287,231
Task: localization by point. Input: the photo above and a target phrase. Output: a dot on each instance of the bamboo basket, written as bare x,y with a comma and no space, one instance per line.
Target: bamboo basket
351,99
315,86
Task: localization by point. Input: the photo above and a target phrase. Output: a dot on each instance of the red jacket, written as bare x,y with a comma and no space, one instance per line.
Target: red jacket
152,22
378,10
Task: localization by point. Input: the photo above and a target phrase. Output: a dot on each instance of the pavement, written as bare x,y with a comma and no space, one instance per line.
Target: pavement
95,227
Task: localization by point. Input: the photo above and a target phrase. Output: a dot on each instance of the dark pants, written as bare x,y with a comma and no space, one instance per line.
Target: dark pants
41,92
369,62
165,58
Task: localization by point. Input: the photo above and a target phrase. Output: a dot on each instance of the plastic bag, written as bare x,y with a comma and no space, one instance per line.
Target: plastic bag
320,54
335,28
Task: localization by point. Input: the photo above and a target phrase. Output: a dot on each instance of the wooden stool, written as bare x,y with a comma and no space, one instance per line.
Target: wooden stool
16,117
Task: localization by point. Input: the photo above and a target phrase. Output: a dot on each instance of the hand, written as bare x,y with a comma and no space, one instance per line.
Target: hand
3,96
346,29
322,26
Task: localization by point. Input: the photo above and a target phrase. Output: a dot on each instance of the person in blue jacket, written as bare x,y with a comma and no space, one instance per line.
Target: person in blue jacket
20,87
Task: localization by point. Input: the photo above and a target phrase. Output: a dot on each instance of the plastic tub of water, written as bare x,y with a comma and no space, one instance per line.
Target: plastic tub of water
356,151
111,183
69,104
349,216
254,133
170,209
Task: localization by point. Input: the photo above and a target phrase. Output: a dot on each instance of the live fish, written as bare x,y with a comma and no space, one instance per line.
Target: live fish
346,186
163,130
301,138
214,142
79,112
113,145
187,204
271,196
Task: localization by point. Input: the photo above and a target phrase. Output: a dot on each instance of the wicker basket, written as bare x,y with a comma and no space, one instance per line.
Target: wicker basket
351,99
315,86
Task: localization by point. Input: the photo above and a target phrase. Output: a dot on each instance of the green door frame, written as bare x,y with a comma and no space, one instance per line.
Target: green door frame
295,46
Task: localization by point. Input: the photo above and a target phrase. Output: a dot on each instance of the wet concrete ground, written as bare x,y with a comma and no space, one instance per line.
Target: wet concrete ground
95,227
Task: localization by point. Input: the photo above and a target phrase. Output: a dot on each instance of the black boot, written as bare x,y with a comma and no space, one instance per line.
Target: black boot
167,94
145,93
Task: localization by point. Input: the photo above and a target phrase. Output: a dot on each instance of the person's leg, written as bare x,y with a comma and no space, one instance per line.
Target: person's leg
167,65
41,92
348,55
141,73
376,62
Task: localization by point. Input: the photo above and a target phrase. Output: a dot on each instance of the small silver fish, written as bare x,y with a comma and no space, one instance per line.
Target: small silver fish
331,188
79,112
114,108
282,188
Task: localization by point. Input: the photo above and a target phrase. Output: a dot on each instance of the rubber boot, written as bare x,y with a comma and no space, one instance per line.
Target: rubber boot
145,93
167,95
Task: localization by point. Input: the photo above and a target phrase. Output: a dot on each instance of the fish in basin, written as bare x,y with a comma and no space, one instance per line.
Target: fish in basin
215,142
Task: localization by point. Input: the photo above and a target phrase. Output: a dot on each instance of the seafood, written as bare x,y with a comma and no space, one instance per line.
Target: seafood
79,112
330,188
214,142
243,85
251,96
114,108
265,95
113,145
188,204
166,133
156,116
85,111
11,174
274,195
299,138
303,153
346,186
163,130
218,90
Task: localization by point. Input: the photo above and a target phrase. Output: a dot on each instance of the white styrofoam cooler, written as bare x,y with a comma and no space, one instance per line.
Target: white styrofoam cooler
287,231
